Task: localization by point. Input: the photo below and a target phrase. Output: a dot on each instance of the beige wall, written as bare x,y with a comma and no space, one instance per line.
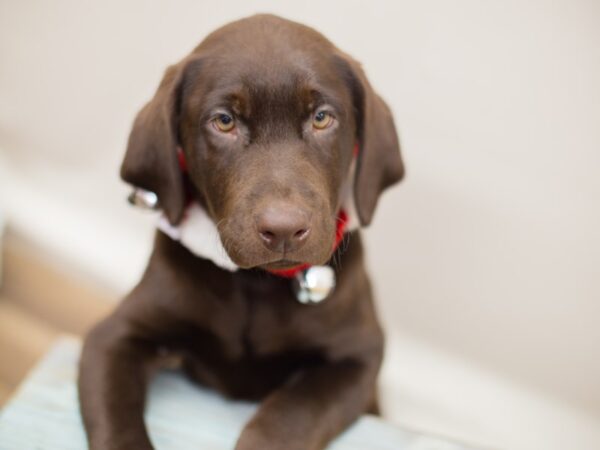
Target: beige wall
491,247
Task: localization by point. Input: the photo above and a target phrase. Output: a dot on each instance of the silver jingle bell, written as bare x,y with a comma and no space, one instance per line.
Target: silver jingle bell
143,199
314,284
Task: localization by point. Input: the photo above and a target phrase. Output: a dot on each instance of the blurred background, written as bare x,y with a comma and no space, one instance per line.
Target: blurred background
486,259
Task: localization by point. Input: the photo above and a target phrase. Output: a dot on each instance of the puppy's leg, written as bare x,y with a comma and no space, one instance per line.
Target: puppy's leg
374,407
310,411
114,370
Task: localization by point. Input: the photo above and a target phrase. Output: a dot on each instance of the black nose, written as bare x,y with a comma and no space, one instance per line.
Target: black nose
284,228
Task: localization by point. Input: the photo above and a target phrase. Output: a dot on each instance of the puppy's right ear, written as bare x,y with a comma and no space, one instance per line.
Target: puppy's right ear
151,160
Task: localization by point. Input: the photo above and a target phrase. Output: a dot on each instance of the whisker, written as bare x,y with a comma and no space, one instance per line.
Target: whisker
346,241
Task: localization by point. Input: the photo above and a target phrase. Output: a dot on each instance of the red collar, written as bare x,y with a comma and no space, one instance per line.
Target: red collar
342,221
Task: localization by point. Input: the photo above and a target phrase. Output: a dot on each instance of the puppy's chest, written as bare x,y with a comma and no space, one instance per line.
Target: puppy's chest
270,321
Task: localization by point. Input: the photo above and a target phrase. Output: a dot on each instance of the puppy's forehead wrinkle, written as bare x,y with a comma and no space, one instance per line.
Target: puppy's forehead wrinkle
255,95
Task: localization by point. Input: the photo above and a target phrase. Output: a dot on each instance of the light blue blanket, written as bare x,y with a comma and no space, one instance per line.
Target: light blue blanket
44,415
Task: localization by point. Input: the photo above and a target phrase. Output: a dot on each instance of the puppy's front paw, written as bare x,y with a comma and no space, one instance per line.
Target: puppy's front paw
255,439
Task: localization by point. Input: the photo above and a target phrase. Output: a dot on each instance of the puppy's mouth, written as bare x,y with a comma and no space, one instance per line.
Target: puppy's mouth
281,264
260,259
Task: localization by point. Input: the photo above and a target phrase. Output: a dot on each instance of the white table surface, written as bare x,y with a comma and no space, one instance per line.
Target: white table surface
44,415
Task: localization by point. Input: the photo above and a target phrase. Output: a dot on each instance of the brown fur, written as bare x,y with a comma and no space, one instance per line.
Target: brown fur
243,333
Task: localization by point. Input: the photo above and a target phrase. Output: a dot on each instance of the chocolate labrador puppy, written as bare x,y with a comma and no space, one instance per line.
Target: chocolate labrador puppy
272,138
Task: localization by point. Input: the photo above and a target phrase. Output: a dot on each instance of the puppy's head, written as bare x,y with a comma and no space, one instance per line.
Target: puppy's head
267,113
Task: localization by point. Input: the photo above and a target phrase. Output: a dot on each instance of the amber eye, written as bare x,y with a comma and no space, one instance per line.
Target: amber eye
322,120
224,122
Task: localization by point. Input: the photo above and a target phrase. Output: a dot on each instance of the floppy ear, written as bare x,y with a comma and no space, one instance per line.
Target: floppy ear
379,161
151,159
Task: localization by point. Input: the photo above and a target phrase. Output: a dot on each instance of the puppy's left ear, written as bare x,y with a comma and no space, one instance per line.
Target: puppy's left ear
379,162
151,160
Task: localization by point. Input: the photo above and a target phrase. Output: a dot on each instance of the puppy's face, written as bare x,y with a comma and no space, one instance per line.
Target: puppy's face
268,136
268,113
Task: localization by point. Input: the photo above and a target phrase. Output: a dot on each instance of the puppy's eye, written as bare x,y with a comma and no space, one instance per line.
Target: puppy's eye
322,120
224,122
